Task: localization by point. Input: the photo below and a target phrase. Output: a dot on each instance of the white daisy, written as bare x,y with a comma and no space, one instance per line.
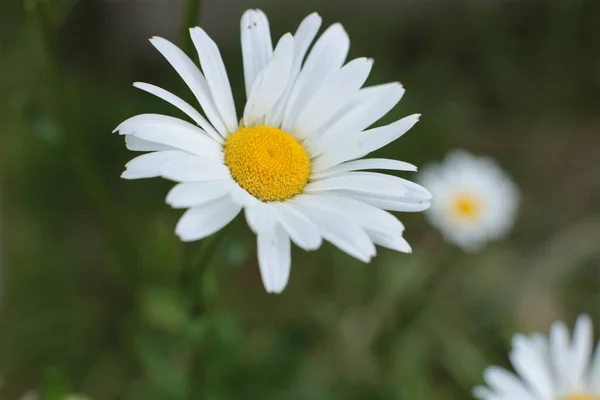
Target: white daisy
554,368
291,161
474,200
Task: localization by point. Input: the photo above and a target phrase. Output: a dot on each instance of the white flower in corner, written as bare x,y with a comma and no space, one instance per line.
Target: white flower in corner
291,162
474,201
554,368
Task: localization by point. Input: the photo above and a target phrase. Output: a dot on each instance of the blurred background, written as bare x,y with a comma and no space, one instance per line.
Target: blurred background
90,298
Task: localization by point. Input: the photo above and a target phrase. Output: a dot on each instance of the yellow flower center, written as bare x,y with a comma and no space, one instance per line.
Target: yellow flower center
581,397
466,206
268,163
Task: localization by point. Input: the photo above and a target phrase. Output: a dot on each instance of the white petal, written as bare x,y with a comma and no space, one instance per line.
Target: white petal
193,78
531,364
171,132
185,195
582,350
183,106
371,183
360,144
148,165
382,227
136,144
300,229
306,32
332,96
274,259
393,242
594,375
327,56
403,204
202,221
483,393
257,47
360,112
504,382
216,77
242,197
271,83
261,217
338,229
559,354
367,163
194,169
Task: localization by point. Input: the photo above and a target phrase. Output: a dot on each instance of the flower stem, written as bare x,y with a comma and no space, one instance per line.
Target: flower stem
191,16
199,297
194,272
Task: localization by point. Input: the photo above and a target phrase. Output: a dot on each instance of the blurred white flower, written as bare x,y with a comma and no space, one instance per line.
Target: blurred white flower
473,199
291,161
33,395
30,395
554,368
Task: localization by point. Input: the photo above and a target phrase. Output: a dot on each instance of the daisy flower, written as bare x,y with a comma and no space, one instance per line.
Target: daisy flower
554,368
474,200
291,161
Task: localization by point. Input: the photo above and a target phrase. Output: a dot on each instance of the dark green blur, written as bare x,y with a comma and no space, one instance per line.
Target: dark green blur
91,295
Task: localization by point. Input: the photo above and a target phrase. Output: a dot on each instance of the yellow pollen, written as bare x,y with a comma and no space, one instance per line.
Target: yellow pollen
466,206
581,397
268,163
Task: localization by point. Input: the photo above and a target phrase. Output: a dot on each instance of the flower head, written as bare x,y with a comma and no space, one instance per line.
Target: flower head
474,200
553,368
292,161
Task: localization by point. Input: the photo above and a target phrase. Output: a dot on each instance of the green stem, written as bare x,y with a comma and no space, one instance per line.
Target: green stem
191,16
81,157
198,282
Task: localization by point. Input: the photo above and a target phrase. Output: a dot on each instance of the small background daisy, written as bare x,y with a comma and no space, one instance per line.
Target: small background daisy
91,267
475,201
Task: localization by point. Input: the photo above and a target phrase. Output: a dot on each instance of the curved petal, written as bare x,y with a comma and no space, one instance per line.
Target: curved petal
530,364
202,221
183,106
371,183
367,163
274,259
191,194
403,204
136,144
306,32
332,96
171,132
582,350
594,375
559,354
194,169
338,229
505,383
149,165
366,107
327,55
300,229
242,197
216,77
271,83
260,217
382,227
193,78
257,47
360,144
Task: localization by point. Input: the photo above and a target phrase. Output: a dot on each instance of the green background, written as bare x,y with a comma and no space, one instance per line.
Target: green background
91,299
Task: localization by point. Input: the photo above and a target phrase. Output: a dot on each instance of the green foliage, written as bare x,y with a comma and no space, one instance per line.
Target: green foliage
93,297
